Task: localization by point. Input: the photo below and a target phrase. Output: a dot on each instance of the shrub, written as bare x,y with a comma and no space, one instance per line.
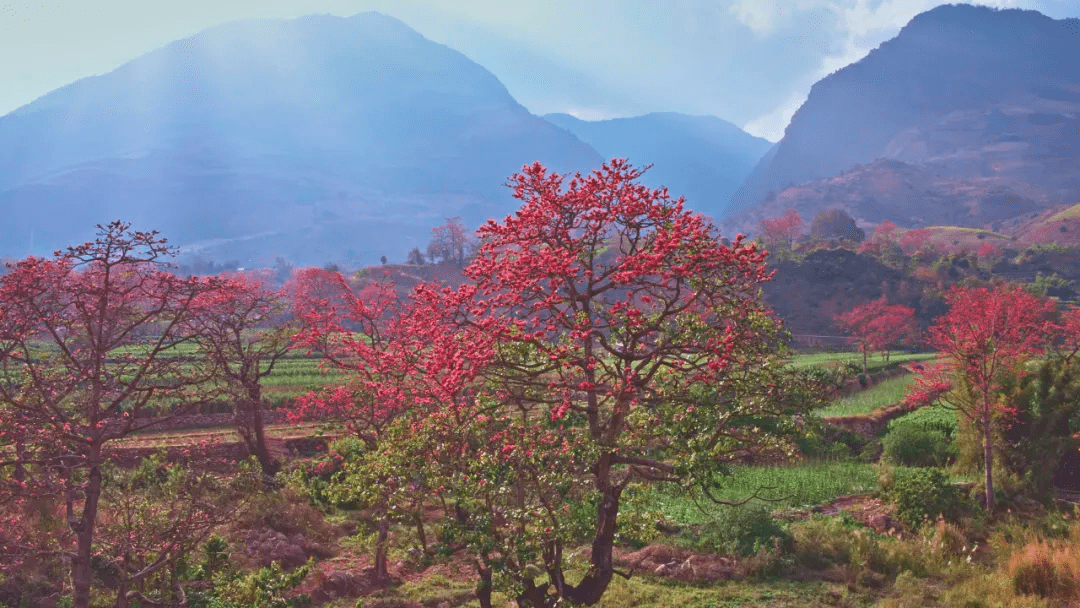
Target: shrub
920,495
743,530
822,541
1042,569
914,445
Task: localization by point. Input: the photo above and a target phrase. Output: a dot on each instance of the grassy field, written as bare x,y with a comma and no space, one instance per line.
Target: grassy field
887,393
804,485
874,362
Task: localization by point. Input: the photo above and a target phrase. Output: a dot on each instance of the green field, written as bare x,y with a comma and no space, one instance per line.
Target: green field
803,485
874,361
888,392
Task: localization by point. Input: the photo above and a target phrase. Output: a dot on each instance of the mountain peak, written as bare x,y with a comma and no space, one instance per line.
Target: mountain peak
305,138
975,92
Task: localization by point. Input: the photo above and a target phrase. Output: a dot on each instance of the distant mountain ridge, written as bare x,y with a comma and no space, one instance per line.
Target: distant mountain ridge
964,92
318,138
703,158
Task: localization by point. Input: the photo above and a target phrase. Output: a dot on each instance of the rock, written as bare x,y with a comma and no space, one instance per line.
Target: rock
881,524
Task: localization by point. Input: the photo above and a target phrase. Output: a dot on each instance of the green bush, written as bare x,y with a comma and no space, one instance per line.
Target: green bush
920,495
914,445
934,417
742,530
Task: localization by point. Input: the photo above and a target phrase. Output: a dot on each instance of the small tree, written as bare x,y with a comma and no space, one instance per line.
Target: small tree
914,239
90,340
985,337
782,230
393,353
989,254
836,224
450,242
877,326
243,328
415,257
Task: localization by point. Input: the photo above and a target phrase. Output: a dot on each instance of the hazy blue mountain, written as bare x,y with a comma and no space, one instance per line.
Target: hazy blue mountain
703,158
965,92
318,138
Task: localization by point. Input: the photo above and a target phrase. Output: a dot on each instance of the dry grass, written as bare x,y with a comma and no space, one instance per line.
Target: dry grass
1046,569
1070,213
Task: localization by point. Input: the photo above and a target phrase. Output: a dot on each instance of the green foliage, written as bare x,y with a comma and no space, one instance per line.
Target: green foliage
828,442
1042,284
914,446
921,440
743,530
920,494
265,588
935,418
1046,406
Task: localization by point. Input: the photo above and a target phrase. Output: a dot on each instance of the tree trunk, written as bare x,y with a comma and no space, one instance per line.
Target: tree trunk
20,469
250,418
592,587
382,570
84,530
988,457
483,587
864,362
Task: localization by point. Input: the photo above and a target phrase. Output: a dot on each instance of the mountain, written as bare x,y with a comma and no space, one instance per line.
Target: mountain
702,158
319,138
965,92
906,194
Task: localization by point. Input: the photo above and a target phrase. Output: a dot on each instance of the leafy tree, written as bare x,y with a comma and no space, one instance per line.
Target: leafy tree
630,348
87,346
450,242
416,257
156,515
877,326
393,351
242,327
836,224
782,230
1044,424
984,338
914,239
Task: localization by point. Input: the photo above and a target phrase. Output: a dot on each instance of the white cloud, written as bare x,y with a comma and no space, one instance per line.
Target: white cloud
758,15
591,113
862,26
771,126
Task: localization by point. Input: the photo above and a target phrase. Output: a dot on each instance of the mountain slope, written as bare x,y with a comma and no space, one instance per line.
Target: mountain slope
702,158
314,138
964,91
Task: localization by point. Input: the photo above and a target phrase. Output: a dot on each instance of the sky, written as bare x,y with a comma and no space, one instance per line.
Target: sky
751,62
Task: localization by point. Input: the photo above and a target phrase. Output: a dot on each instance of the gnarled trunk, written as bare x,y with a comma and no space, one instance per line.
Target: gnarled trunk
252,426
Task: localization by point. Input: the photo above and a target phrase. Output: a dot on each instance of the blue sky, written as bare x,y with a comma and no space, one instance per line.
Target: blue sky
748,61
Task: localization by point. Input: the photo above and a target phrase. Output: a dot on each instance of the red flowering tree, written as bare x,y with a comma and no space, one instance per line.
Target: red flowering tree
877,326
450,242
632,348
782,230
400,363
89,346
914,239
984,339
243,327
990,254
